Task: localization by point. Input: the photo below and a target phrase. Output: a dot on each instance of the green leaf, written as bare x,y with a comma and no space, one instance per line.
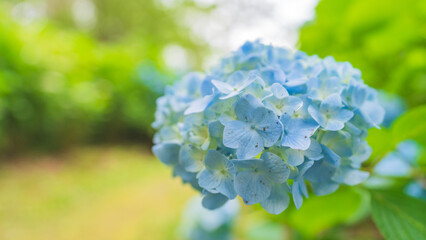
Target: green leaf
411,125
399,217
320,213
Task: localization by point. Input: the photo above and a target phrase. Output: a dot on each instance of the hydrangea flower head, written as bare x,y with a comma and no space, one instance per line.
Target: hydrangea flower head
265,123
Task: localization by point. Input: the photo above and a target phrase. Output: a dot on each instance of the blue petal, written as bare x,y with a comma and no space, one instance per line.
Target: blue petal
199,105
393,164
332,102
314,152
191,158
324,188
317,115
291,105
275,168
226,187
215,160
279,91
268,126
216,129
207,86
240,80
373,113
233,132
209,179
333,125
252,187
245,106
278,200
222,86
330,156
294,157
251,144
350,176
167,152
297,195
213,201
344,115
297,133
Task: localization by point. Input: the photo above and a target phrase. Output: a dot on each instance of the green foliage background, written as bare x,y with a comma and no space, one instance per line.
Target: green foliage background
385,39
61,85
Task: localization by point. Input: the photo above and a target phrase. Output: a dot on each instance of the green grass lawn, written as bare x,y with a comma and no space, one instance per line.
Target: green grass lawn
90,193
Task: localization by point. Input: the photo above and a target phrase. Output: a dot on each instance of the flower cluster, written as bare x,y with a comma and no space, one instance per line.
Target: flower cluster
263,123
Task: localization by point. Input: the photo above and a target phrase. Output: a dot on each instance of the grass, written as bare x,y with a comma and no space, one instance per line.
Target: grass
120,193
90,193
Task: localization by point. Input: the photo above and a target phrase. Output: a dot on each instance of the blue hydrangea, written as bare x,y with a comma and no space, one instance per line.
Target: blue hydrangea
265,124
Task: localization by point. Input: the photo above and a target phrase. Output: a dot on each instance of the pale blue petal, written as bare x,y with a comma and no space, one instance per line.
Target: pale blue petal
232,94
277,201
199,105
252,187
279,91
294,157
168,153
271,75
222,86
215,160
340,142
267,125
245,107
208,179
330,156
237,79
303,168
350,176
207,86
333,125
234,131
226,187
258,90
296,141
314,152
213,201
191,158
324,188
344,115
251,144
332,102
303,188
216,129
373,113
393,165
297,133
291,105
275,168
186,176
297,195
317,115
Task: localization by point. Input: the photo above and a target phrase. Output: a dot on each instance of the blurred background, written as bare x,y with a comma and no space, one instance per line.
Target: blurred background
78,83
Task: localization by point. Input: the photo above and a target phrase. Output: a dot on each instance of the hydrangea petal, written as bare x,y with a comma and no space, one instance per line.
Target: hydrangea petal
191,158
350,176
213,201
278,200
209,179
252,187
167,152
199,105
